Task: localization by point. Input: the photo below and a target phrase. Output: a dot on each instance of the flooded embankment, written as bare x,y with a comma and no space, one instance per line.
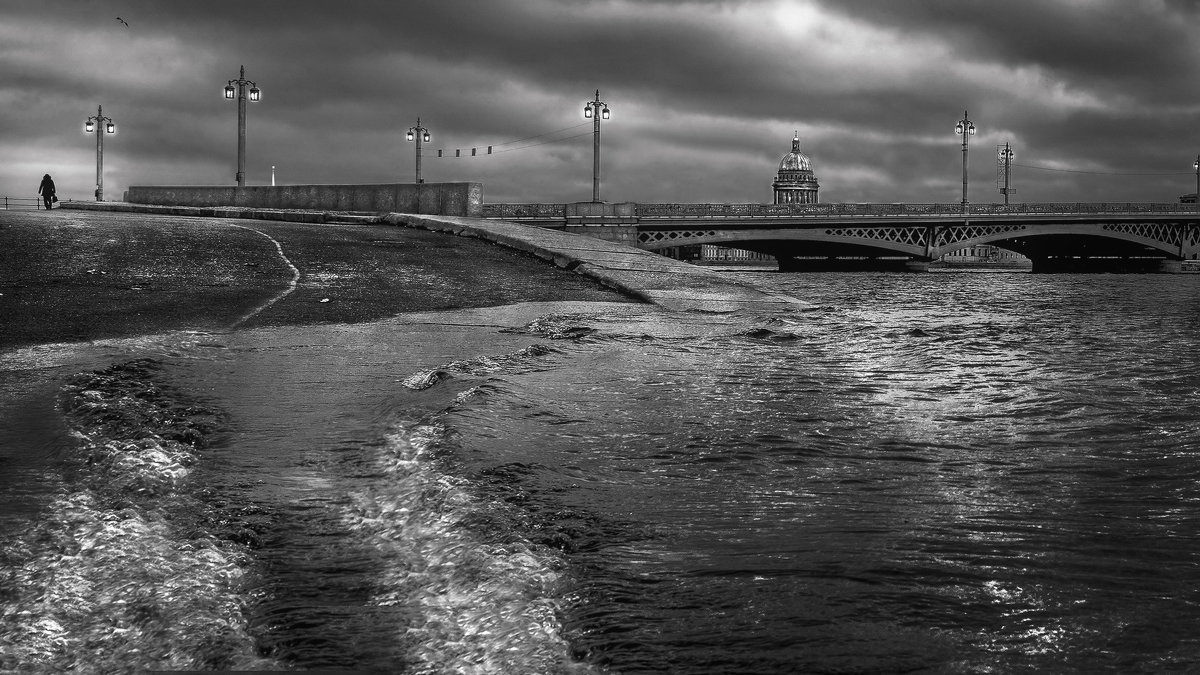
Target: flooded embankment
161,505
276,498
944,472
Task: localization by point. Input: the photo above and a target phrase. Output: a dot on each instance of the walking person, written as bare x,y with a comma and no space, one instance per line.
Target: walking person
46,190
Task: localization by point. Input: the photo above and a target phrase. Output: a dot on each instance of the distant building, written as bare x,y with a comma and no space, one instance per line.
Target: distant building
795,182
733,256
982,255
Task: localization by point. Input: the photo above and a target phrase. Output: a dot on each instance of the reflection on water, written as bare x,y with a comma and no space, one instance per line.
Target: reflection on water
950,472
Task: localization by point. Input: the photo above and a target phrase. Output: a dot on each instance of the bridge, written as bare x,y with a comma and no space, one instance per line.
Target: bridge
1057,237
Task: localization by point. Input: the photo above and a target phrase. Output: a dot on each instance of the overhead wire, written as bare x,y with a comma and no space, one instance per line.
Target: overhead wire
1103,173
497,148
534,145
529,138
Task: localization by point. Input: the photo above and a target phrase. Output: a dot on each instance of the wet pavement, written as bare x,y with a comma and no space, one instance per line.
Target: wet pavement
70,275
668,283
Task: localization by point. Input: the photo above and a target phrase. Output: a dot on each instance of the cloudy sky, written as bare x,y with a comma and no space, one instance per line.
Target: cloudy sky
1100,99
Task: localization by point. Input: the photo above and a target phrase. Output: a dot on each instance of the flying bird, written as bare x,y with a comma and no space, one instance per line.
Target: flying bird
123,22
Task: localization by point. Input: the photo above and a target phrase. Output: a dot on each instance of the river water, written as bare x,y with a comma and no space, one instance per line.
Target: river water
945,472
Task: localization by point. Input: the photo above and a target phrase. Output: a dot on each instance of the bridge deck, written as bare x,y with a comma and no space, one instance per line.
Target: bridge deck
921,232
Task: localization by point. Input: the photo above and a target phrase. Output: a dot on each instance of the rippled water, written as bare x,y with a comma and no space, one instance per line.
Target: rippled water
947,472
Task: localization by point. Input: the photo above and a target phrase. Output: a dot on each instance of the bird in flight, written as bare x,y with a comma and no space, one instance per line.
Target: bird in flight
123,22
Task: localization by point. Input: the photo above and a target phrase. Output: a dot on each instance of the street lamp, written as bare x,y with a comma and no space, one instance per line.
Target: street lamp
596,109
1005,155
240,91
421,135
105,126
1196,166
964,128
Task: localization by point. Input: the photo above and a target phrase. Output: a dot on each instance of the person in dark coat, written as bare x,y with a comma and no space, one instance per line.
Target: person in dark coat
46,190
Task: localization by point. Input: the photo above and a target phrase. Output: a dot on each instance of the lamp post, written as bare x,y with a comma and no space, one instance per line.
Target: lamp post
964,128
102,125
596,109
241,92
421,135
1005,155
1196,166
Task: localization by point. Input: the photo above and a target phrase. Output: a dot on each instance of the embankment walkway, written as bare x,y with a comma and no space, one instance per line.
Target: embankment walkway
653,278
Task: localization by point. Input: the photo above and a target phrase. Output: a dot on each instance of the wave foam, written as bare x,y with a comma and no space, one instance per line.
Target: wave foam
478,366
116,577
485,606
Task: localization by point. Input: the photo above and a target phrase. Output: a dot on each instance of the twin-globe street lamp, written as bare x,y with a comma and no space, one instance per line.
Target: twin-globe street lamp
105,125
1005,155
596,109
1196,166
964,128
421,135
241,91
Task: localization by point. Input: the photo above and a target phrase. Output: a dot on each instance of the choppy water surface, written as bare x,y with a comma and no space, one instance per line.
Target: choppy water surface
948,472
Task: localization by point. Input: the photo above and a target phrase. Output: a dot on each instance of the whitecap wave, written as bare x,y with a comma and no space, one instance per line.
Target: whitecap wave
478,366
485,606
117,576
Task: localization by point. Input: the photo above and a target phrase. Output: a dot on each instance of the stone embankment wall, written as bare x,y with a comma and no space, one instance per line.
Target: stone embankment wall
437,199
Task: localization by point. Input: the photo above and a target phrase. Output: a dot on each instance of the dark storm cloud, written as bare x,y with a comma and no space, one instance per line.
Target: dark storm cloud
1138,50
705,95
1100,39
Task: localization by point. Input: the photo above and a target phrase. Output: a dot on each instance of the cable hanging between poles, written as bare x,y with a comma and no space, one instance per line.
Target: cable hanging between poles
530,138
497,148
1104,173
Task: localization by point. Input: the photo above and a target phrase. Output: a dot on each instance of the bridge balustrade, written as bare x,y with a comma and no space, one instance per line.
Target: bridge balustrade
663,211
651,211
519,211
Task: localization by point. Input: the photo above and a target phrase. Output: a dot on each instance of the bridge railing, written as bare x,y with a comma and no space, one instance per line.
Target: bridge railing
717,211
525,211
651,211
1082,207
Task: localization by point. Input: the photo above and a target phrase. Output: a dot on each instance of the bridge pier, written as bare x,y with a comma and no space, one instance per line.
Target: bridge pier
791,264
611,222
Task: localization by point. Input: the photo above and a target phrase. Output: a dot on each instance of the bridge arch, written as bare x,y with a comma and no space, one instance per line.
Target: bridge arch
809,241
928,242
1150,239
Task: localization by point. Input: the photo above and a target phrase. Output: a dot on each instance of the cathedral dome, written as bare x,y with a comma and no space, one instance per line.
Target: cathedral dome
795,160
795,182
